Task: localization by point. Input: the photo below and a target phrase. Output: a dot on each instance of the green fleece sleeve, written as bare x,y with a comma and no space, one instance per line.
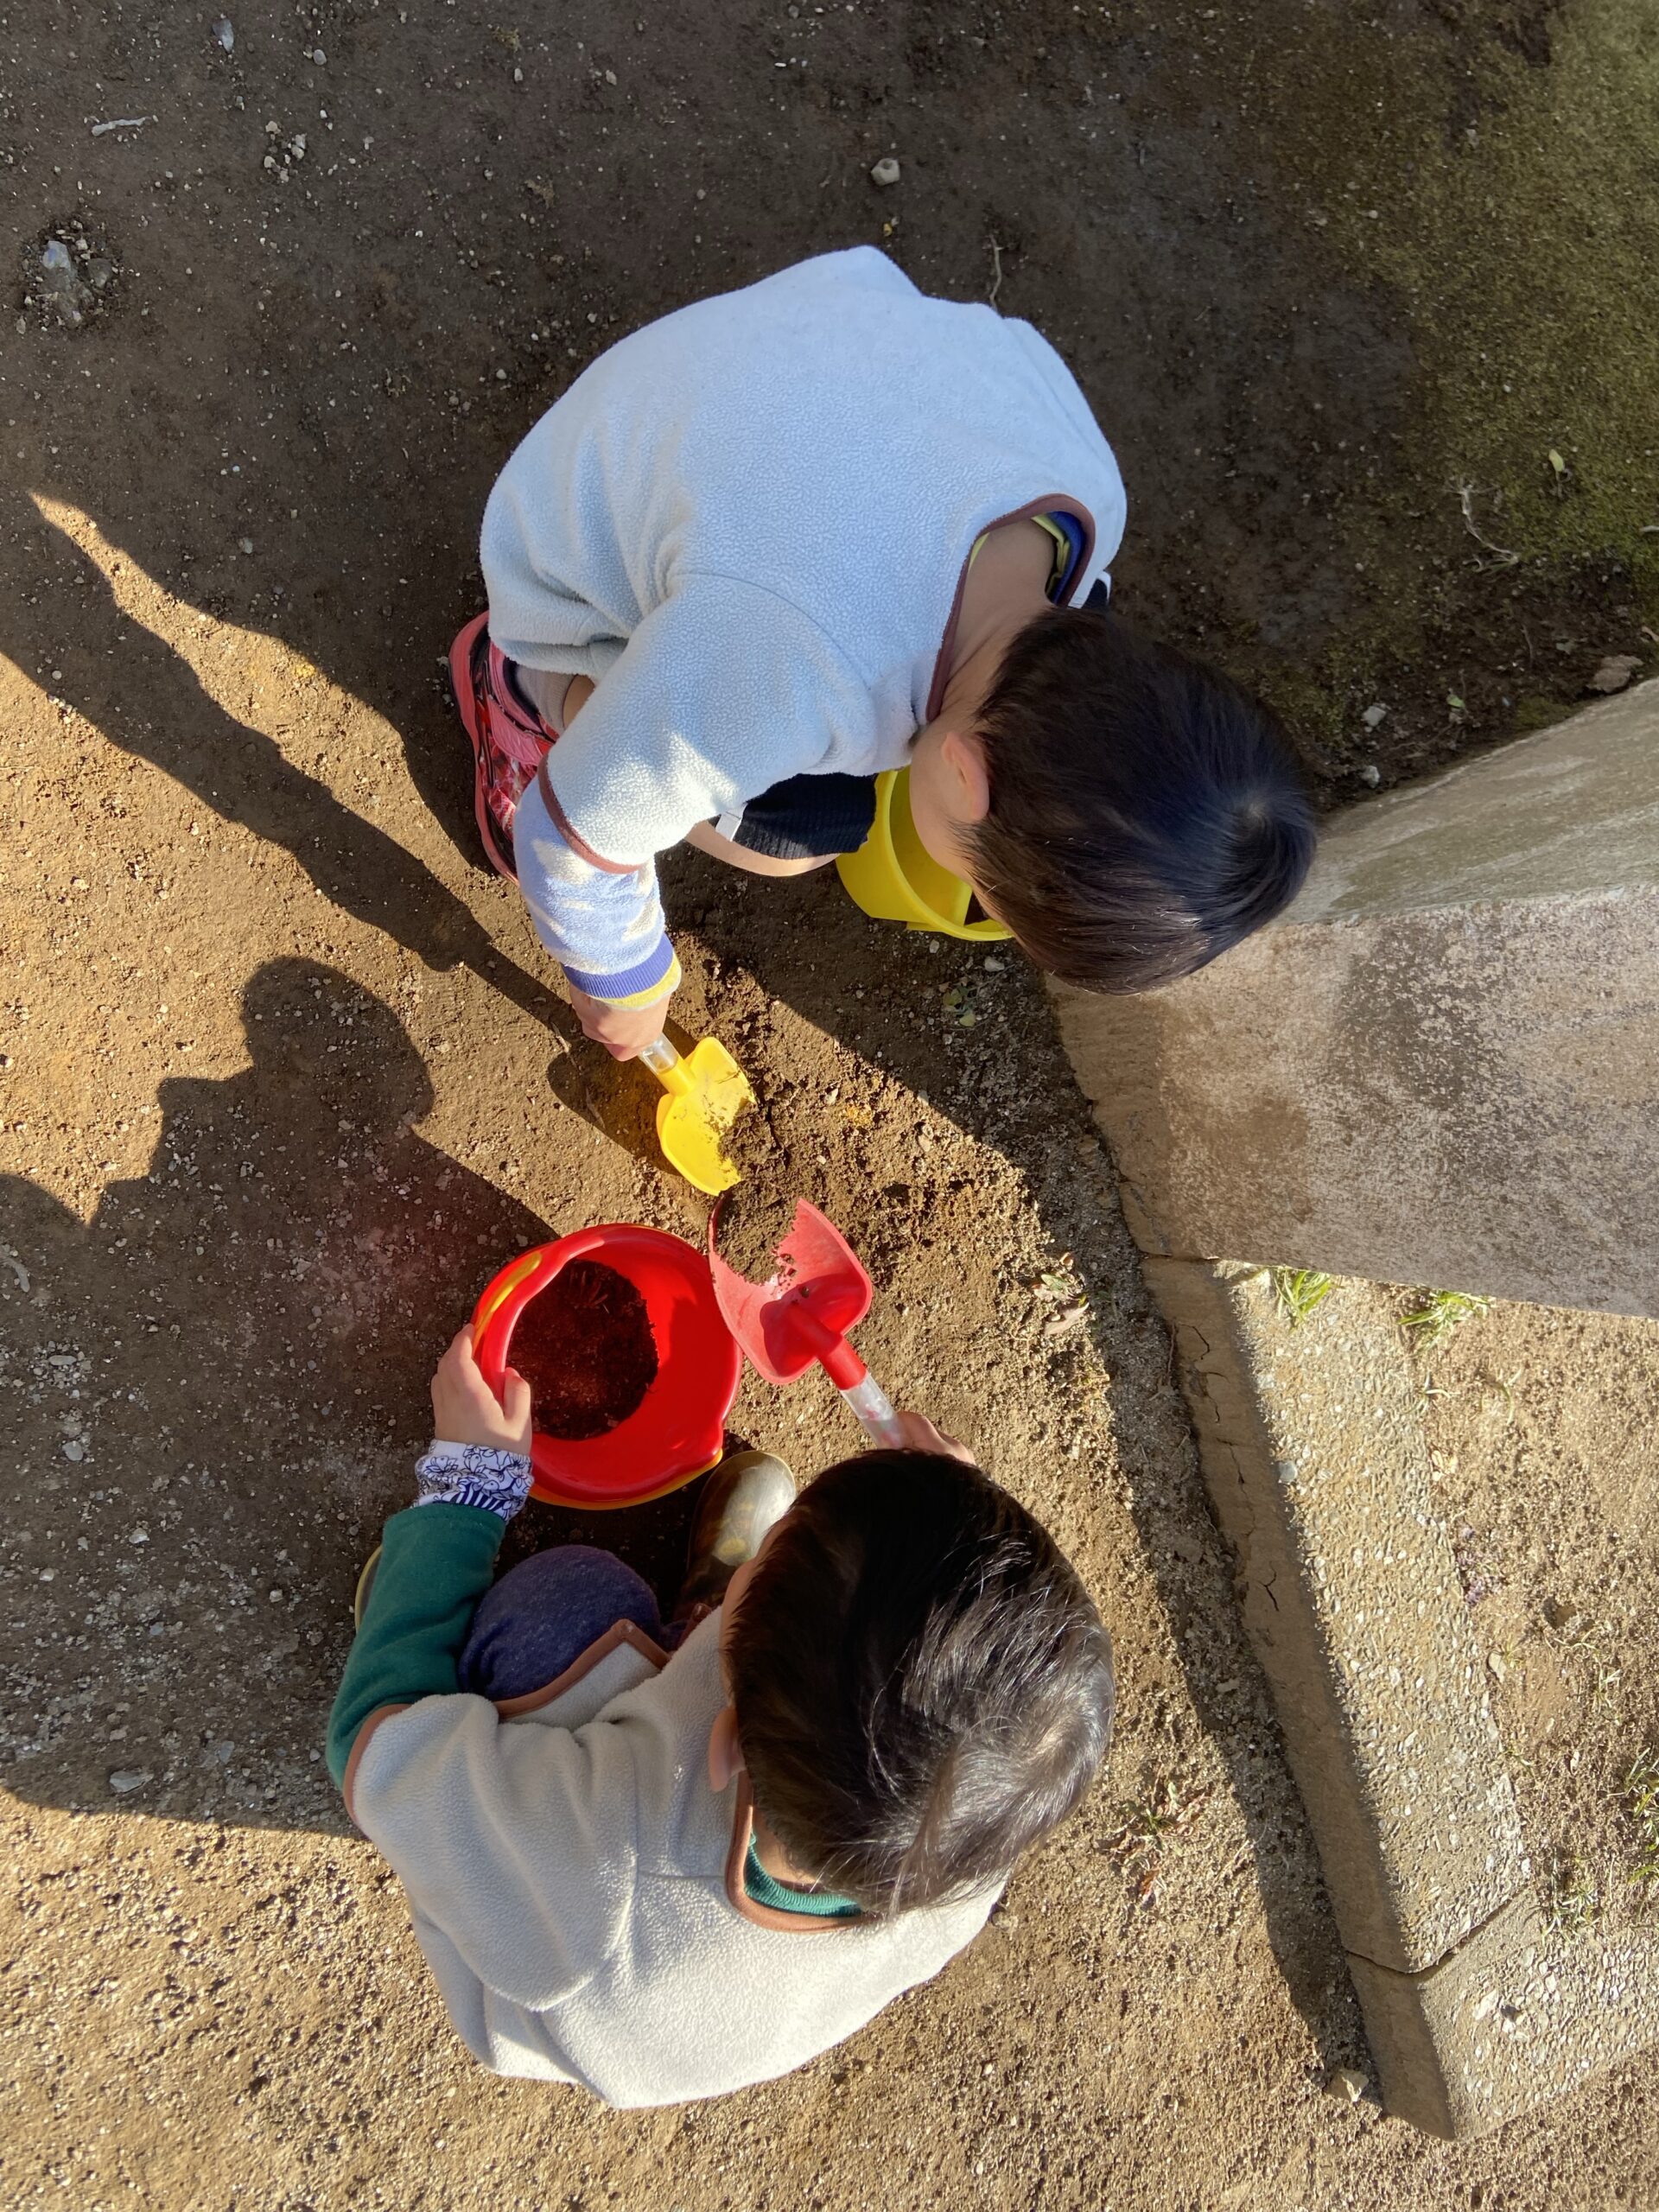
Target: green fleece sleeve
437,1563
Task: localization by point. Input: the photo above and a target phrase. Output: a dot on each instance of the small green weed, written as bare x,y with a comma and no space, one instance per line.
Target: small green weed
1642,1802
1429,1390
1574,1901
1150,1828
1440,1315
1605,1675
1502,1388
1519,1762
1299,1292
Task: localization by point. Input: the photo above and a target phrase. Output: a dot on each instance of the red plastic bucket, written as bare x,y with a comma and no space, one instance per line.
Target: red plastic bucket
678,1428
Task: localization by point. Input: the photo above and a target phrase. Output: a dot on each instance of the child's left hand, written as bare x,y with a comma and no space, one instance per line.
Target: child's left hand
464,1410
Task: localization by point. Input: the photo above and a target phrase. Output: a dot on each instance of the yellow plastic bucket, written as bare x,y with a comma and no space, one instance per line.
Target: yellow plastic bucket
893,876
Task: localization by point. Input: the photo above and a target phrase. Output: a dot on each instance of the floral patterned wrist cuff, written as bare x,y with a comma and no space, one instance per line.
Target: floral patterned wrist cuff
474,1474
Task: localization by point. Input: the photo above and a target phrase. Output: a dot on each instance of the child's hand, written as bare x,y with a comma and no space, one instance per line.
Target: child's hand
624,1031
920,1435
464,1410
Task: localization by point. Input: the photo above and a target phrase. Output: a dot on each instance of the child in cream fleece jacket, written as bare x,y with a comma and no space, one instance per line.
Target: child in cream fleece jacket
664,1873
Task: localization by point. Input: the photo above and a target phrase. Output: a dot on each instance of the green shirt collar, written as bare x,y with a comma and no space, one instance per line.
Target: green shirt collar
762,1888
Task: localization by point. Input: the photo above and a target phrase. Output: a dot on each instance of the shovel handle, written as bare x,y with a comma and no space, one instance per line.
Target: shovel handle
865,1397
874,1409
665,1063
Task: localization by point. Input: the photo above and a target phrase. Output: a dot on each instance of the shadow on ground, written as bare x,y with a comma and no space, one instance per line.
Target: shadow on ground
245,1326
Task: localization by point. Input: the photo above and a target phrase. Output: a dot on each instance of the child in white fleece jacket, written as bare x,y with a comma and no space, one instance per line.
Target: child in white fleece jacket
793,536
661,1875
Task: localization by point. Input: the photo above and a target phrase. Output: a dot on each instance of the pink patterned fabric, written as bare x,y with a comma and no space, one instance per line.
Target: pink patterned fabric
509,740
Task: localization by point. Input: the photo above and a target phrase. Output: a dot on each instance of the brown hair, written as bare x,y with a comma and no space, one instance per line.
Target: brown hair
1145,813
922,1686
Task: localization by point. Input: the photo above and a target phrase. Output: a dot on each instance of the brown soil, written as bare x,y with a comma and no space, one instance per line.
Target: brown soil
749,1145
285,1077
584,1345
1544,1428
754,1218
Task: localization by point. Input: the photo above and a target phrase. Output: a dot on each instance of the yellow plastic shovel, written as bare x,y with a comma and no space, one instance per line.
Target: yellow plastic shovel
707,1091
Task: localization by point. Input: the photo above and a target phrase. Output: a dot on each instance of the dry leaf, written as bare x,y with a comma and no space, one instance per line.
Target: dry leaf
1062,1323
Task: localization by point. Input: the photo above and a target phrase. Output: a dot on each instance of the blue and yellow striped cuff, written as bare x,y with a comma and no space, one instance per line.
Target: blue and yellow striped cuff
653,977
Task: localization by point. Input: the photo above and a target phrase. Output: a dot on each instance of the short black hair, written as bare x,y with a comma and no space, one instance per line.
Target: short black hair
1145,812
922,1686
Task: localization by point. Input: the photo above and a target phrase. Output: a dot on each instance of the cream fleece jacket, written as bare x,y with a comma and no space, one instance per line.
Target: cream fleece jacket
576,1885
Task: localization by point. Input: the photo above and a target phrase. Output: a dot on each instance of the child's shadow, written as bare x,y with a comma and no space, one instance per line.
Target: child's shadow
220,1383
140,694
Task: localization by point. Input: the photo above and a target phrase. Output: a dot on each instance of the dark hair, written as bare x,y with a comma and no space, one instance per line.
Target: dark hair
922,1686
1146,814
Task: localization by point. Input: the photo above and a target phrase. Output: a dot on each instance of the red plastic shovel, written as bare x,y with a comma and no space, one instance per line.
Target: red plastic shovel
803,1311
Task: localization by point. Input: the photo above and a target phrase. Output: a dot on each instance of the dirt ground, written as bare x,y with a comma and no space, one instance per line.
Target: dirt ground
283,1076
1547,1460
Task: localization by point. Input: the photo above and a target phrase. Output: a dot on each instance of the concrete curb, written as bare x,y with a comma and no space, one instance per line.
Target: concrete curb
1439,1064
1314,1459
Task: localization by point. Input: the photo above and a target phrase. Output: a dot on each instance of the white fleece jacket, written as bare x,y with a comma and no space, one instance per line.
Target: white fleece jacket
748,523
576,1886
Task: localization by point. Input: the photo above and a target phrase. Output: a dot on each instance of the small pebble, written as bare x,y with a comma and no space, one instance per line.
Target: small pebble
1346,2086
1370,775
126,1778
1373,715
74,1450
318,56
886,171
225,32
61,283
1615,673
247,544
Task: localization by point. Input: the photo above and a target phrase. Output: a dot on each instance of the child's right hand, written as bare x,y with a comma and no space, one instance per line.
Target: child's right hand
464,1410
624,1031
920,1435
